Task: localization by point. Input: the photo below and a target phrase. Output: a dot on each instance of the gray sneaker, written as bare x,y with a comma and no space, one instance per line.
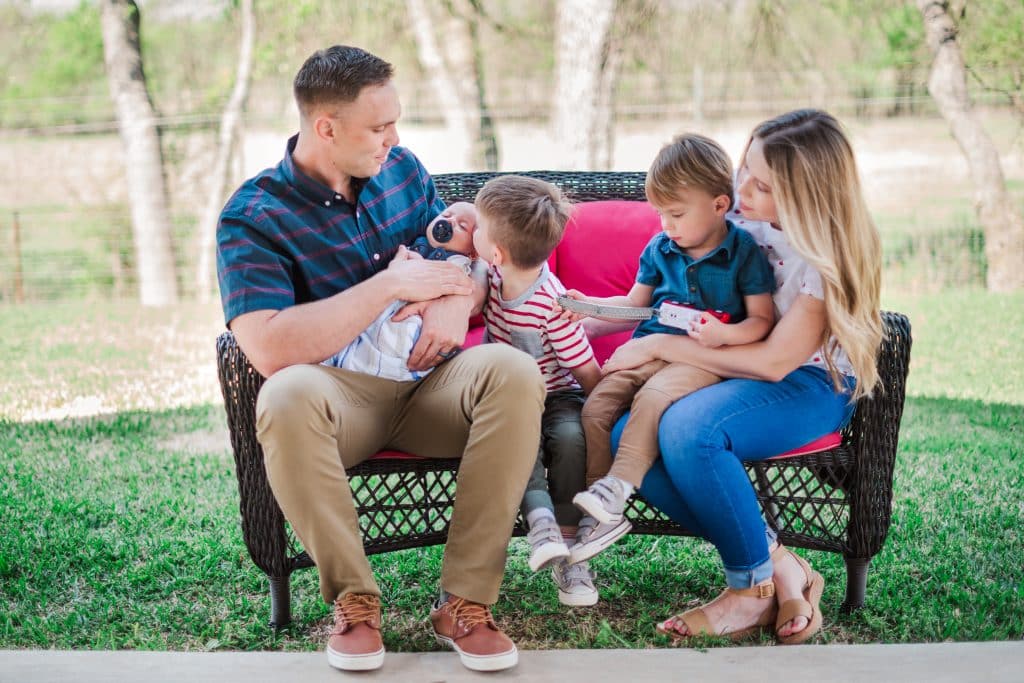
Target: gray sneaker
546,543
575,584
592,537
604,501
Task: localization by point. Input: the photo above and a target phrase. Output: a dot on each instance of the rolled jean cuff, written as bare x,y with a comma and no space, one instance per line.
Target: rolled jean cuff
748,578
533,500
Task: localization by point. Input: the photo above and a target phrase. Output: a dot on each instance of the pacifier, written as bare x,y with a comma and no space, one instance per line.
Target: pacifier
442,231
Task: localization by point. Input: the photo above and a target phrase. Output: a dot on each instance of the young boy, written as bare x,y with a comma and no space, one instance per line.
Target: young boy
702,261
383,348
520,221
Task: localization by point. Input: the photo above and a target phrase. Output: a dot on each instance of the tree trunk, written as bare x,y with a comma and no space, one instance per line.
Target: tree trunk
1000,219
136,120
454,66
582,34
228,140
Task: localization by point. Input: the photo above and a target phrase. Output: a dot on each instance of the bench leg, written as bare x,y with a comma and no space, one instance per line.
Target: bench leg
280,601
856,582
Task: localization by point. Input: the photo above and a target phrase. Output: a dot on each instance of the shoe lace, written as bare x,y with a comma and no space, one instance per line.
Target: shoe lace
355,608
469,614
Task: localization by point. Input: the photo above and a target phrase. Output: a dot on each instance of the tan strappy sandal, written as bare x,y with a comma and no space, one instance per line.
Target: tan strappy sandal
696,620
809,606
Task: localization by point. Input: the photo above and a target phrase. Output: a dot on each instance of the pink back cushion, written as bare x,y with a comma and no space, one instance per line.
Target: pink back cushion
600,252
599,255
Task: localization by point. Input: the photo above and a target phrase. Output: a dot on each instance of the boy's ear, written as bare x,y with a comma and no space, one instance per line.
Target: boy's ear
721,204
498,255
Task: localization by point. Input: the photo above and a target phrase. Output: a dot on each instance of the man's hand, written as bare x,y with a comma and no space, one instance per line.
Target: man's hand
416,279
445,323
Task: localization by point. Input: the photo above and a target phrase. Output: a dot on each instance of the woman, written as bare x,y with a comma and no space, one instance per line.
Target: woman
799,194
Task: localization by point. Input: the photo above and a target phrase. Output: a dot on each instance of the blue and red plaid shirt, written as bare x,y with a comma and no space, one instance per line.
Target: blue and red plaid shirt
286,239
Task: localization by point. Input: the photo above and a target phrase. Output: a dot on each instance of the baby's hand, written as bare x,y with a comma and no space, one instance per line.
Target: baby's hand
708,330
565,313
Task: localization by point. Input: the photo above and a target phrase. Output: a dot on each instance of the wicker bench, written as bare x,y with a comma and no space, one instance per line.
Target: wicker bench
838,500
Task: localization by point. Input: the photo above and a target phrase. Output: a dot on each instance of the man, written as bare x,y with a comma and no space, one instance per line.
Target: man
303,254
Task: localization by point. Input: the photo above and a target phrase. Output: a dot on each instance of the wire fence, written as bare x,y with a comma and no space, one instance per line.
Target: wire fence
84,250
83,255
695,95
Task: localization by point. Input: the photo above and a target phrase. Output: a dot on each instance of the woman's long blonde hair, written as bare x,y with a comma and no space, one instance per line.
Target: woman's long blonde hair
821,209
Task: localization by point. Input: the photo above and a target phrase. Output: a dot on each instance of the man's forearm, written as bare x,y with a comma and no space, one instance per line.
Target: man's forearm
310,332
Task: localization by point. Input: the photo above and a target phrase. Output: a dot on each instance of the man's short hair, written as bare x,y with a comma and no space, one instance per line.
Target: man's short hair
689,162
336,75
526,217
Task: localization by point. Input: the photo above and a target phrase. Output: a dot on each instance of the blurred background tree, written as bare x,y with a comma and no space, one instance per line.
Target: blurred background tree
696,63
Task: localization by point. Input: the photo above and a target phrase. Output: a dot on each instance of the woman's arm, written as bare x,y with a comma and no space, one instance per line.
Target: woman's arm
595,327
796,336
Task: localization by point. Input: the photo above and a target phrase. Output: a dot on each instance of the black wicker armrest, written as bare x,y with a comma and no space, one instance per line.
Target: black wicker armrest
873,435
262,521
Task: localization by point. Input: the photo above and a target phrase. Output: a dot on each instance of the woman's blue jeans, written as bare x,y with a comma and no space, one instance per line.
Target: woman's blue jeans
699,480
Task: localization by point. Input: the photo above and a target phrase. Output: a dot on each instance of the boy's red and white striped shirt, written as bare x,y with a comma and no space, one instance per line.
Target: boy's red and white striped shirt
530,324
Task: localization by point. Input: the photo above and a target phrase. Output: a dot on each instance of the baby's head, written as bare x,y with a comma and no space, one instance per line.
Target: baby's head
521,221
690,163
453,228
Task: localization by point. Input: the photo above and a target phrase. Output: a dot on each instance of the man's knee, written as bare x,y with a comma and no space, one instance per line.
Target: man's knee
509,369
291,393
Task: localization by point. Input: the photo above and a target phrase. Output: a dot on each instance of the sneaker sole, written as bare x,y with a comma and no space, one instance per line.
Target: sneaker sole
585,551
496,662
577,600
367,662
539,561
589,504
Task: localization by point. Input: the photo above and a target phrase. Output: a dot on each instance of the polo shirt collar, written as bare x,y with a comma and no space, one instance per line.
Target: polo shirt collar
728,244
312,189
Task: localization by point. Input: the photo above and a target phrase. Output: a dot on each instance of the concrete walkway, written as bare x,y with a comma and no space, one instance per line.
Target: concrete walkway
934,663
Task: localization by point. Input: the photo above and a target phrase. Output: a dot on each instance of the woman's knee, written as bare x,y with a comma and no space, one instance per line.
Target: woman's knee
686,435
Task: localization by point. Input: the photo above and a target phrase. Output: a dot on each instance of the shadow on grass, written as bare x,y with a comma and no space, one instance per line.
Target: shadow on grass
122,531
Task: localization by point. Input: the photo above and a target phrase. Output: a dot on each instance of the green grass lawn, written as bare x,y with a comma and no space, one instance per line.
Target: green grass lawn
119,507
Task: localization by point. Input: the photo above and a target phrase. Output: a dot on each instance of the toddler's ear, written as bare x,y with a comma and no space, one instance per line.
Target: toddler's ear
721,204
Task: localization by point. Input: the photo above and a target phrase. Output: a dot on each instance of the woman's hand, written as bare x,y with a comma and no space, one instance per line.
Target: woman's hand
633,354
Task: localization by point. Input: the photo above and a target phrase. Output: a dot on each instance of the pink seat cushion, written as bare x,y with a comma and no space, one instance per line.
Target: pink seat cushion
822,443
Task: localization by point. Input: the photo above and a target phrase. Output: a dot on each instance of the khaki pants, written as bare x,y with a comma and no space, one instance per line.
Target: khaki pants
315,421
646,391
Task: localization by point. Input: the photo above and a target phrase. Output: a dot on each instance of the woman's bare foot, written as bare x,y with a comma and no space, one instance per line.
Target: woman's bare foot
790,581
728,613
